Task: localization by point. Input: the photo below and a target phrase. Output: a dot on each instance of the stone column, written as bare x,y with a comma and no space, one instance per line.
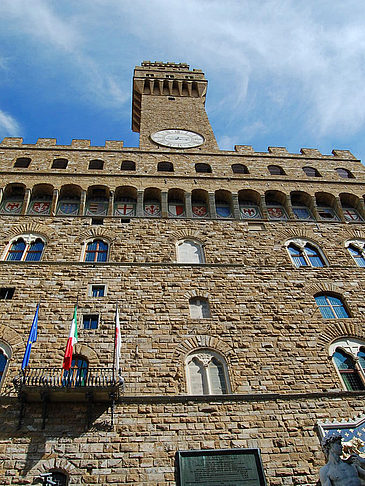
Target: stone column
236,206
26,201
313,208
289,207
164,204
188,206
338,209
139,206
110,211
54,202
211,204
263,207
82,202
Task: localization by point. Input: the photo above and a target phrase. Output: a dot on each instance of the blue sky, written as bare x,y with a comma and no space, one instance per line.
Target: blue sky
281,72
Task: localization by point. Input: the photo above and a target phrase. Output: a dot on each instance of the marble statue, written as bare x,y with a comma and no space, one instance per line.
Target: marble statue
338,472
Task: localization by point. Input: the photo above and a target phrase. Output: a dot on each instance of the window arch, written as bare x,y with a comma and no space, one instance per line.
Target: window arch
311,172
206,373
165,167
190,251
128,165
96,164
199,308
276,170
331,307
239,169
5,355
356,248
77,374
344,173
25,248
348,355
305,254
22,162
203,168
96,251
58,478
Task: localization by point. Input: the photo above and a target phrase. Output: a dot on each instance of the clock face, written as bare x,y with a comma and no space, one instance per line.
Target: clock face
178,138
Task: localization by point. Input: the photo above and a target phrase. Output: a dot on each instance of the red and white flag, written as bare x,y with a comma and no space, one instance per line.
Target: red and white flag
72,340
118,341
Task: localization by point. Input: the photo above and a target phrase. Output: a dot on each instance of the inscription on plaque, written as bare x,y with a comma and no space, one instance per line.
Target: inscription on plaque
232,467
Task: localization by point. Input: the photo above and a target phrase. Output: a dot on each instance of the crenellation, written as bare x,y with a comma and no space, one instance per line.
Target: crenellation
46,142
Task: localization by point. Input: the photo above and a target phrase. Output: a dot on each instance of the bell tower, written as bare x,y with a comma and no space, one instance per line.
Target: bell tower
168,107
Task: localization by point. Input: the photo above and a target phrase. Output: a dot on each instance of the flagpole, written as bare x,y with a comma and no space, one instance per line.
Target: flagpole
115,338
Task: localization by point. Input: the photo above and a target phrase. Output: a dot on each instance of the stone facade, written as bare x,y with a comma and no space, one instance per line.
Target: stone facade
264,321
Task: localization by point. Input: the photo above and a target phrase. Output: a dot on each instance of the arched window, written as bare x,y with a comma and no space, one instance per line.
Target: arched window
5,354
348,356
311,172
199,308
239,169
22,162
348,372
276,170
165,167
96,251
27,248
59,164
96,164
356,248
128,165
304,254
344,173
206,373
77,374
189,251
331,307
203,168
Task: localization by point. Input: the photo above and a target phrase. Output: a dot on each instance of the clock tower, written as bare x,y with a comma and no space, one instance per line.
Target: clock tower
168,108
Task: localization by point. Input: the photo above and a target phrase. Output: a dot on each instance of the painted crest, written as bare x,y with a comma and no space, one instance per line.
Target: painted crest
223,211
176,209
326,213
199,211
276,212
12,207
124,209
97,208
68,208
302,213
250,212
152,209
40,207
351,430
351,215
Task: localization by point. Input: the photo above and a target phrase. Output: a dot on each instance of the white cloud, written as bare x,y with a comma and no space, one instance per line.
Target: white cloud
9,127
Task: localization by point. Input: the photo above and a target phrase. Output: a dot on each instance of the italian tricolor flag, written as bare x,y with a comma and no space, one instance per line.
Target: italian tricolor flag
72,340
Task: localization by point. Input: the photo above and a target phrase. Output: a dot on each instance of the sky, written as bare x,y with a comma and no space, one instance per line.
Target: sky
281,72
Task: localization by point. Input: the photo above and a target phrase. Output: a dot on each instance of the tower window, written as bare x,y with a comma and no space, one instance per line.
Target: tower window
311,172
276,170
206,373
305,255
96,165
344,173
165,167
96,251
22,162
128,165
25,249
347,369
199,308
239,169
357,251
59,164
203,168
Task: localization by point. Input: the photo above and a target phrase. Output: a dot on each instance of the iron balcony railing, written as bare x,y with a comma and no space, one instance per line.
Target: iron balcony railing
75,377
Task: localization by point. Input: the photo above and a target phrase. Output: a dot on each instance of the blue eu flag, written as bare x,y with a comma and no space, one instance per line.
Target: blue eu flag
32,339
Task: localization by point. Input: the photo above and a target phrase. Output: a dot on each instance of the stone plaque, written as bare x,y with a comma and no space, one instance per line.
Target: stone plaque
228,467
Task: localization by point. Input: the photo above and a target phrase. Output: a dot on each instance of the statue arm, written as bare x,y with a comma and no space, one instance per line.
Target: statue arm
324,477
